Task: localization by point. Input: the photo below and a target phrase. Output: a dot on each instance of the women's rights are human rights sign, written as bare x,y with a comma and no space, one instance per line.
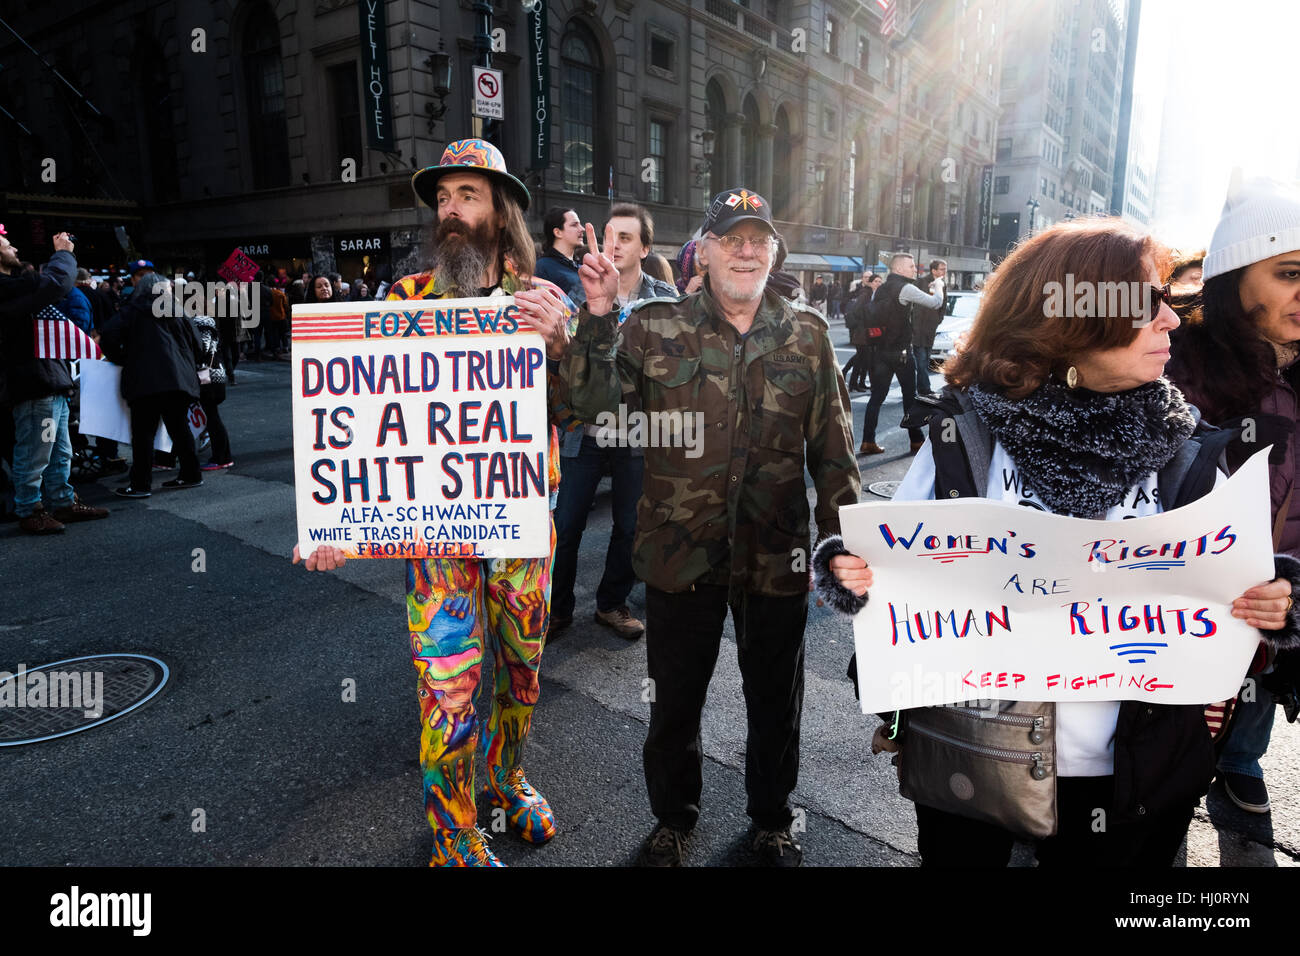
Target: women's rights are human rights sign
984,600
420,429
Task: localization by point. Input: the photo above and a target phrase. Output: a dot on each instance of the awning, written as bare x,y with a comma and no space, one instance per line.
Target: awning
801,262
845,263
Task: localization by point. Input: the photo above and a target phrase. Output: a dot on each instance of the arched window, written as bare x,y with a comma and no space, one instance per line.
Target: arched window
749,145
782,166
886,208
715,116
580,93
268,133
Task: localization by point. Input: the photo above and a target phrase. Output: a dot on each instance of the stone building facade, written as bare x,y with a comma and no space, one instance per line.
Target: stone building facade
246,123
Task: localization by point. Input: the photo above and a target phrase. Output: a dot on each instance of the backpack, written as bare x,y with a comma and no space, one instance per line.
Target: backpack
861,321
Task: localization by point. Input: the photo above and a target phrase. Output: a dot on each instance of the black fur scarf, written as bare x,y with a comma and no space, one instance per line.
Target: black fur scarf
1081,451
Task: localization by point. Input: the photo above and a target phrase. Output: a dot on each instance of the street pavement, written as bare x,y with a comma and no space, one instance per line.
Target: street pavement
253,729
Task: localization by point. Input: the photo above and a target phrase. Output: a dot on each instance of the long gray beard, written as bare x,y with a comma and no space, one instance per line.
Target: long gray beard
462,264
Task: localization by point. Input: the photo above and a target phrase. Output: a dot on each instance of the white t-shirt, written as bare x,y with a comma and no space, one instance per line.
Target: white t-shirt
1085,731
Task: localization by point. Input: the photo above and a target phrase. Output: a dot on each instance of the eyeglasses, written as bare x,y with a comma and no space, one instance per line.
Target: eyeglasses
1157,294
732,245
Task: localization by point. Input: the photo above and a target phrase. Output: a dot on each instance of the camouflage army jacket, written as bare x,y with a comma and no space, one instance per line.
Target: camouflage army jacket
733,500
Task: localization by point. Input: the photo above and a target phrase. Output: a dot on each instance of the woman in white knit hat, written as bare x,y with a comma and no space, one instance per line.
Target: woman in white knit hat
1237,359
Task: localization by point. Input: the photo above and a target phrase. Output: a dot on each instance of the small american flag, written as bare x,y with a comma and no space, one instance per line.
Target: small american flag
58,337
888,15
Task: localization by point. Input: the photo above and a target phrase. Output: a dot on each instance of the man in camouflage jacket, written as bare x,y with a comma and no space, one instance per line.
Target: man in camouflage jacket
723,517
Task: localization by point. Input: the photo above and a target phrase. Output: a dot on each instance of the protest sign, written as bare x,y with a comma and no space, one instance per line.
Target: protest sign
983,600
420,429
104,412
237,268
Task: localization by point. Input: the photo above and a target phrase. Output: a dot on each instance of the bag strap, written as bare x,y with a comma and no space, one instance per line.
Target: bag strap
953,477
1198,479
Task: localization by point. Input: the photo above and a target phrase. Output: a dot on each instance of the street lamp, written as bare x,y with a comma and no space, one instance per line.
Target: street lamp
706,146
1032,206
439,65
819,174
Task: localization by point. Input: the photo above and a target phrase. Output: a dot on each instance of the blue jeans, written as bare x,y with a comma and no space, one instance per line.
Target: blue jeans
579,477
42,454
1252,728
921,359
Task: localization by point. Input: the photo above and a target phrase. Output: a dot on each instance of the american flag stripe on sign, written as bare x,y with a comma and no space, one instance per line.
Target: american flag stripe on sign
889,14
62,339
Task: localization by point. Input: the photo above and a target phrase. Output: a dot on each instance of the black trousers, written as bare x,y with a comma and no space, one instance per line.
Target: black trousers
173,408
683,634
884,366
210,396
1083,837
855,370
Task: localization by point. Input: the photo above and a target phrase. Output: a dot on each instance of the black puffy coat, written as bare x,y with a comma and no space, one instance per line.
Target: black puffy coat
157,353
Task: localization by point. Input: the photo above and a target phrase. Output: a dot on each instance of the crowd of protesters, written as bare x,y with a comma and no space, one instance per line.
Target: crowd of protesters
1218,354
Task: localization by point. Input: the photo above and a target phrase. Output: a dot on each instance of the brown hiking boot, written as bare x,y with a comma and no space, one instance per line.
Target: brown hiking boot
79,512
621,620
39,521
870,448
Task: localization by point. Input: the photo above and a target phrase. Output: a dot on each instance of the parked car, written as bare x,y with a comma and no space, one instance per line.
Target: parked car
961,310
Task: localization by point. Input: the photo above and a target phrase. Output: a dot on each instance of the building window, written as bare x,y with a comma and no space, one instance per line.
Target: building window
1051,190
347,112
832,37
749,144
1004,149
1042,186
264,84
864,52
715,117
659,153
828,120
782,166
579,89
1001,185
661,53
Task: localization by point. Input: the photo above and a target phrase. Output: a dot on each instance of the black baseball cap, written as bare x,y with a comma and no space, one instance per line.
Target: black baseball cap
734,206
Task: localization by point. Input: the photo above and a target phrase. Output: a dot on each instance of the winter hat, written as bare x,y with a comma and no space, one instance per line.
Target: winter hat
1261,219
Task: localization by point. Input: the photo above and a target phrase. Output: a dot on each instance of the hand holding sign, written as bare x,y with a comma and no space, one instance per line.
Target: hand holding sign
598,273
1265,606
324,558
548,314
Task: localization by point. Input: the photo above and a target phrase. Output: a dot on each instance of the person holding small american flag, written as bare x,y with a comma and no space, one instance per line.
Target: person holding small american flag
35,382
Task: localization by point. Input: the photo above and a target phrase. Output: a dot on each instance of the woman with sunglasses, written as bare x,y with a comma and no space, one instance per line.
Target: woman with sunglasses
1236,360
1065,411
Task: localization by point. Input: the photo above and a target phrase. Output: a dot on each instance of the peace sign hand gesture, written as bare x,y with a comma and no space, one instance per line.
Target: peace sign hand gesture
598,273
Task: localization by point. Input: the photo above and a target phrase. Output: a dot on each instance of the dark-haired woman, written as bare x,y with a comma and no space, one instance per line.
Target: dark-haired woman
1236,359
1069,415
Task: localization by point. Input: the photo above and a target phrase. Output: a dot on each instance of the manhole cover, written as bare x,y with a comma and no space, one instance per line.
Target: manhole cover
69,696
884,489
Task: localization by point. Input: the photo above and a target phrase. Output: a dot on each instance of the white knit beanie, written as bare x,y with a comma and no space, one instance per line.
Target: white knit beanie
1261,219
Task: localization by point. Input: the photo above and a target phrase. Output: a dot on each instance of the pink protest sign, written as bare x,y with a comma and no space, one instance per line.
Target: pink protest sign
238,268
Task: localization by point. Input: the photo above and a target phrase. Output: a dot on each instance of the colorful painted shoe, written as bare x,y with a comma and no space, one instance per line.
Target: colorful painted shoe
465,847
527,811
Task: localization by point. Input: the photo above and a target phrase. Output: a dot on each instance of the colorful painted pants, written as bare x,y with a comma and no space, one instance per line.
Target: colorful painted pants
450,605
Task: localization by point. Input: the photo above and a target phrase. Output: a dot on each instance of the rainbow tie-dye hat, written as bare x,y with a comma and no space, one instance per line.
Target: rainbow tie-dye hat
467,156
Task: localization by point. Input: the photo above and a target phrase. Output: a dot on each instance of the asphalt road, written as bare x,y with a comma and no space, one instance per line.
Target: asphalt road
253,729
